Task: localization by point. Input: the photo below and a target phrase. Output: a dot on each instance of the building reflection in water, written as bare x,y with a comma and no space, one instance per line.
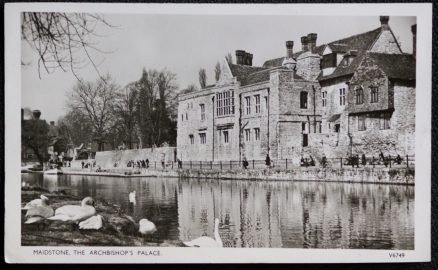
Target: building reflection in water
259,213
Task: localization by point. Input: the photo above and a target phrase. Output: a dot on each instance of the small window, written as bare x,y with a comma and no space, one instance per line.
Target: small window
266,103
192,139
182,117
385,121
342,96
247,135
305,140
303,100
374,94
303,126
337,128
202,138
248,105
361,123
187,116
257,134
324,98
257,103
359,95
202,112
226,138
320,127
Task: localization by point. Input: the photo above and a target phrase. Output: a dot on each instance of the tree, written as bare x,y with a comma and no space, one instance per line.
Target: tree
202,78
229,58
217,71
76,128
191,88
34,135
62,40
126,114
96,101
156,107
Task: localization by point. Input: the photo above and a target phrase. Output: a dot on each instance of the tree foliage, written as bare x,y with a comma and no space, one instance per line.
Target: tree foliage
76,128
217,71
34,135
62,40
96,101
202,78
229,58
125,110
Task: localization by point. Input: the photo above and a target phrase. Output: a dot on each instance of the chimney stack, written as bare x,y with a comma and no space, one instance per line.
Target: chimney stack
414,40
248,59
384,22
311,39
289,49
240,56
304,43
36,114
52,123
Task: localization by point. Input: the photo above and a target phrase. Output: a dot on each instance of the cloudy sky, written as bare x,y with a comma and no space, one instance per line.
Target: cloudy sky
185,43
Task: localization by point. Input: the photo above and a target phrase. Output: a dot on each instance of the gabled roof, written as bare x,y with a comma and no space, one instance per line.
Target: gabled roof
343,69
396,66
359,42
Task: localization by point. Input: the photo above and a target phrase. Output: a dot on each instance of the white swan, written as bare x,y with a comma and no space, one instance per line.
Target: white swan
36,203
146,227
132,197
40,212
93,223
75,213
205,241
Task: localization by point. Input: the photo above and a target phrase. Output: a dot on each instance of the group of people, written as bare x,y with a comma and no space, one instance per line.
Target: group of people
138,163
86,165
267,162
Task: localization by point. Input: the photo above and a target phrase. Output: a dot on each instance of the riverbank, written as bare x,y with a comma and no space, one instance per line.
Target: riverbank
118,228
401,175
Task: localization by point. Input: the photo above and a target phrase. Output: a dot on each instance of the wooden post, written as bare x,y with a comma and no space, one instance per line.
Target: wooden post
341,163
220,162
190,164
211,165
286,163
407,161
253,163
200,165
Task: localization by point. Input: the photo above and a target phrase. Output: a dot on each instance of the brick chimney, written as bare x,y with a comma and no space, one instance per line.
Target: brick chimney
36,114
240,57
304,44
384,22
52,123
414,40
311,39
248,59
289,49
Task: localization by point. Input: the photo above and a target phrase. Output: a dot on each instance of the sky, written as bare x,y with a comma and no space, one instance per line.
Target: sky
185,43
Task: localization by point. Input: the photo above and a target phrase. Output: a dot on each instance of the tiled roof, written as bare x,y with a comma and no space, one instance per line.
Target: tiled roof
261,76
241,71
359,42
396,66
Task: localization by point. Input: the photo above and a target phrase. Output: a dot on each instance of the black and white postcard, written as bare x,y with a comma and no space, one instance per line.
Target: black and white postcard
146,133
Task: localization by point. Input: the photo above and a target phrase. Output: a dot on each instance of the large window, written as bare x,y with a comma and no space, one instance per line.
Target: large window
361,123
359,95
342,96
303,100
248,105
257,103
202,138
324,98
247,135
257,134
192,139
225,103
385,121
226,136
374,94
202,111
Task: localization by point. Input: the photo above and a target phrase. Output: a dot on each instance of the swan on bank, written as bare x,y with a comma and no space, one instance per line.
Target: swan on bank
146,227
40,212
75,213
93,223
36,203
205,241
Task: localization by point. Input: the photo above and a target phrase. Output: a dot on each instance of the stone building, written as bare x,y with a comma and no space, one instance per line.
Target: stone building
303,103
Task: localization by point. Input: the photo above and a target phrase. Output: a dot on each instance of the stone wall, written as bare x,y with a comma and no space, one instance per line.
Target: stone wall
107,159
386,43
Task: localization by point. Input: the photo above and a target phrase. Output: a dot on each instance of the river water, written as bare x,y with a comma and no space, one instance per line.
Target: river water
258,213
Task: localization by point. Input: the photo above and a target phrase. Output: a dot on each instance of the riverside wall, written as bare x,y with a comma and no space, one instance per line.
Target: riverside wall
404,176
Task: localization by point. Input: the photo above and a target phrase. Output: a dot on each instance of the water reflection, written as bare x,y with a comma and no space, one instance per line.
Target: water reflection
259,214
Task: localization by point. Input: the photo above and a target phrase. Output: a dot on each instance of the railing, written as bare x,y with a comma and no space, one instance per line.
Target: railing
285,164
